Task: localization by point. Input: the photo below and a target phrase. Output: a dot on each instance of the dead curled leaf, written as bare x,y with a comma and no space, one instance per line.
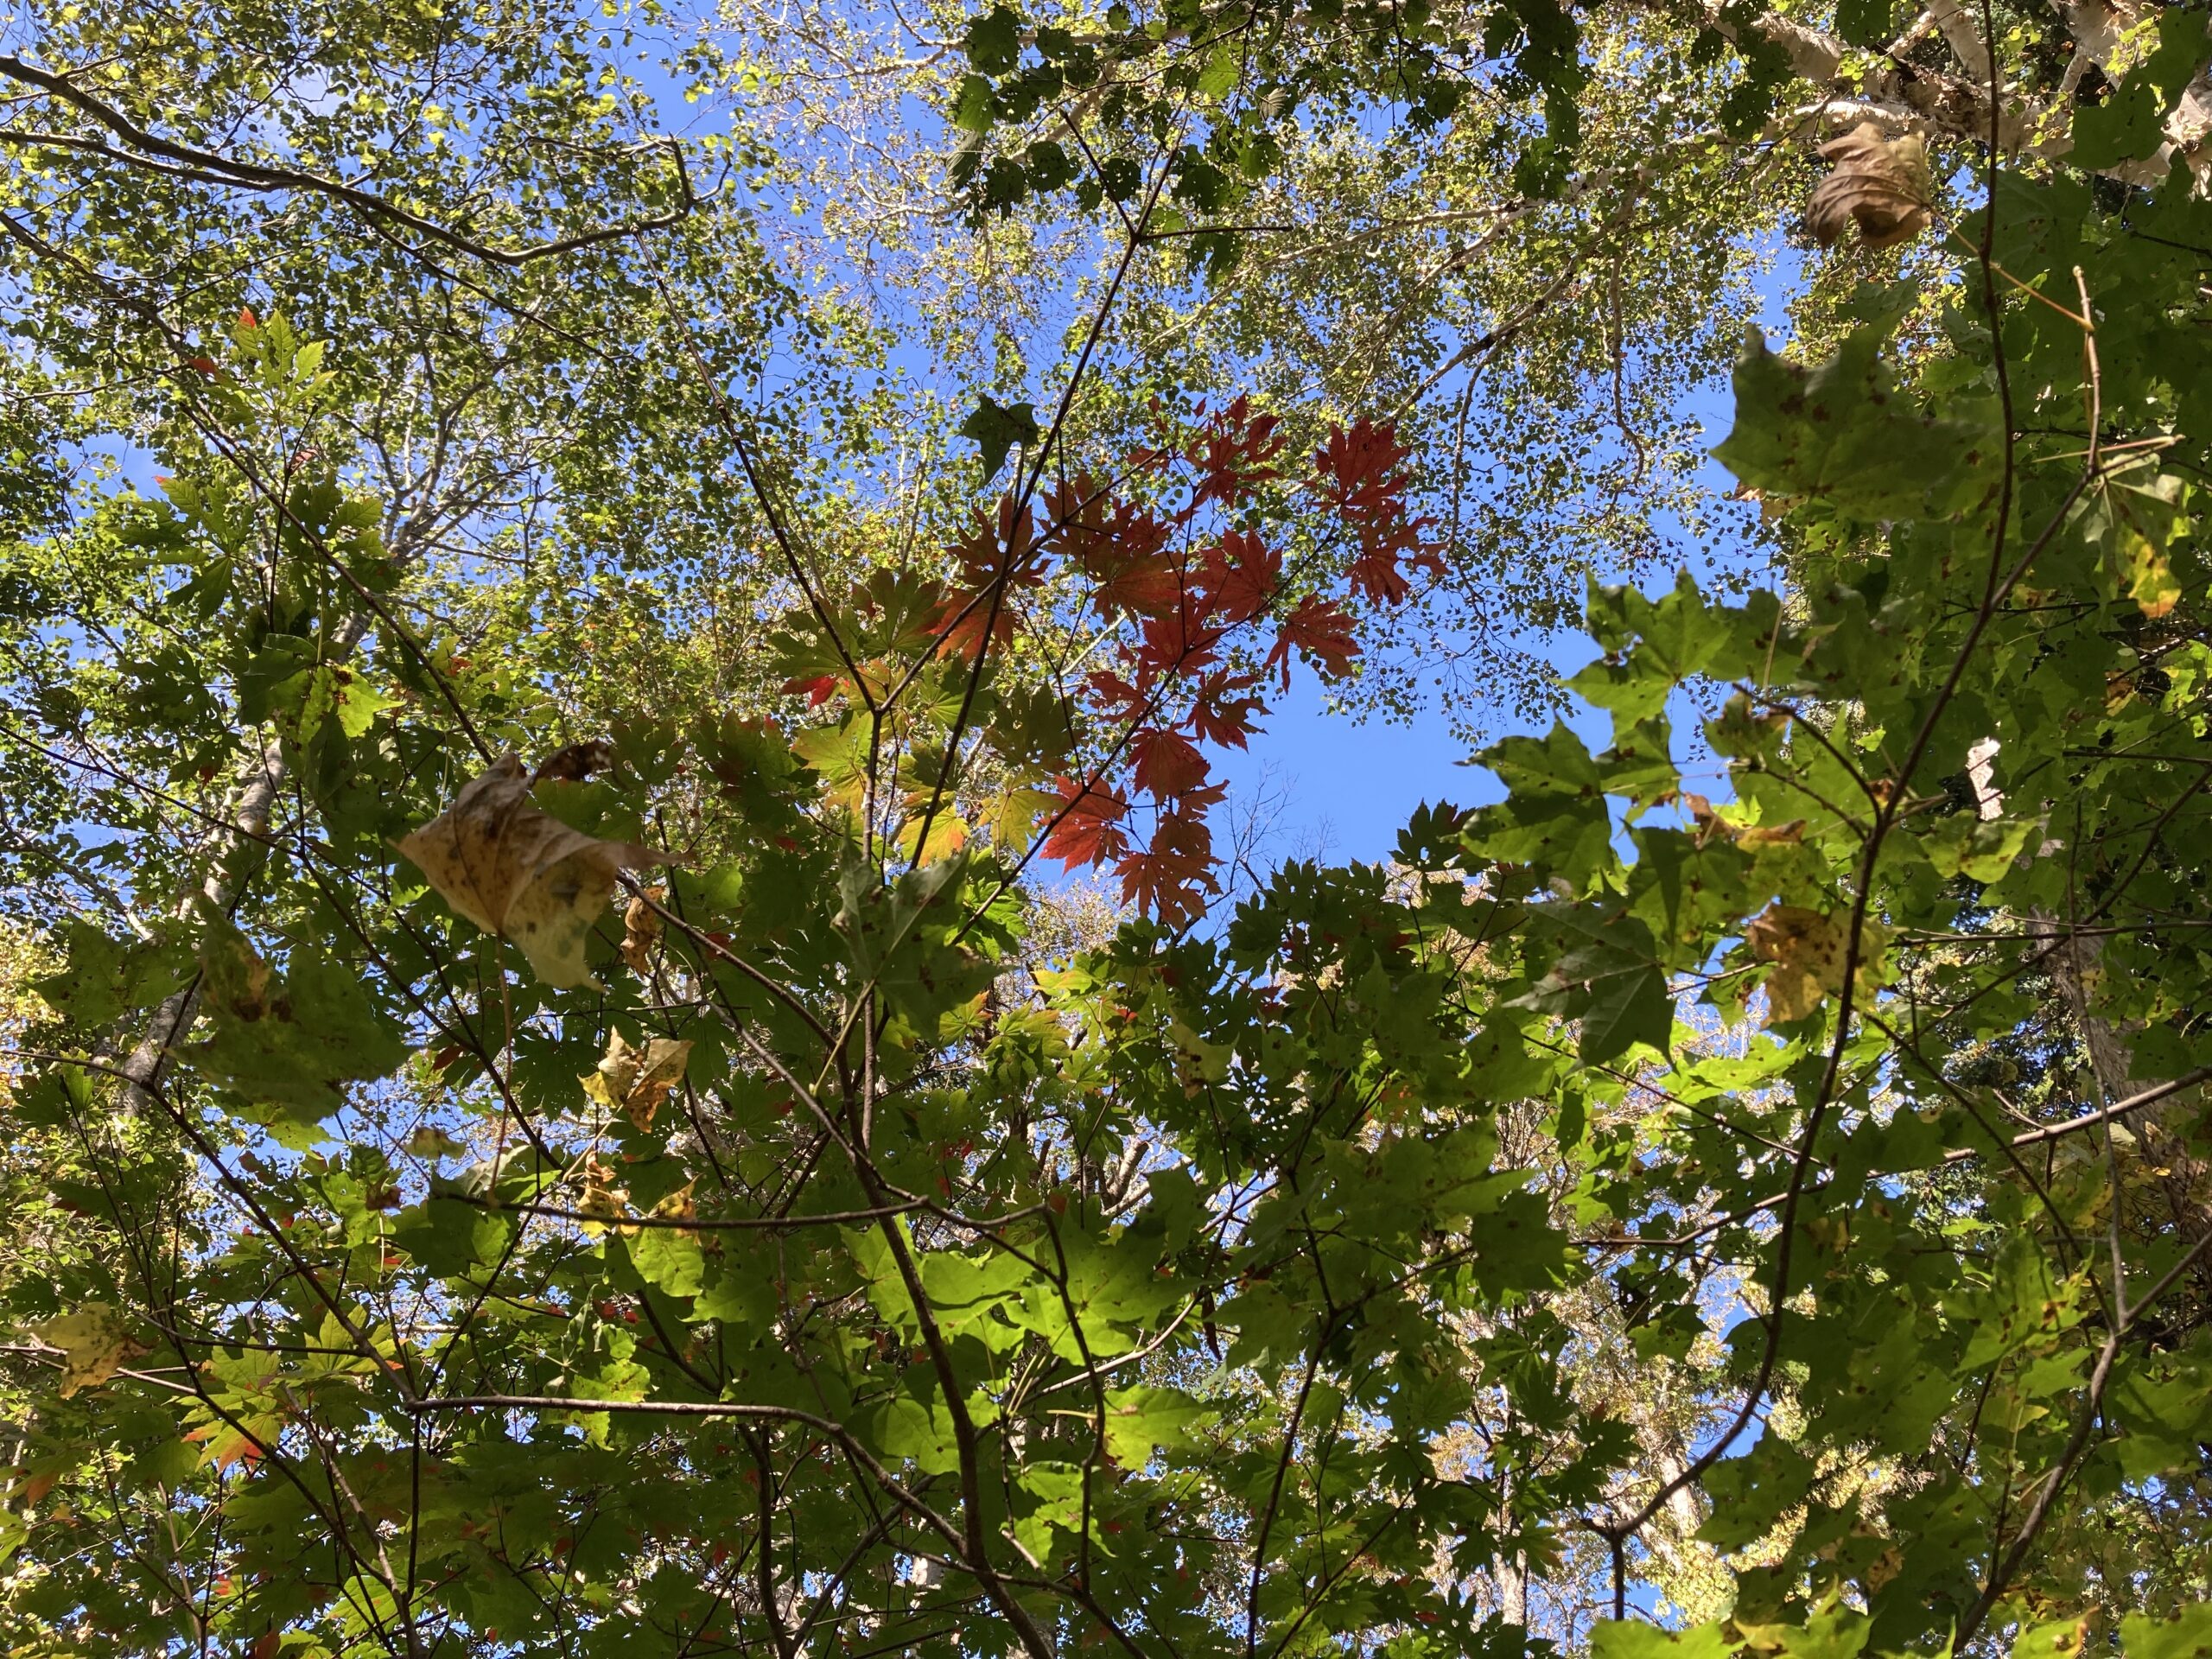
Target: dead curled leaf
601,1198
634,1081
641,928
1753,837
520,872
1881,183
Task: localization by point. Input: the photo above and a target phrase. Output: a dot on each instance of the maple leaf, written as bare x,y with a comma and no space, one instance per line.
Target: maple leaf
1808,950
634,1081
995,559
1178,644
1233,451
1113,696
1119,545
1167,763
520,872
1360,472
1322,633
94,1342
1084,831
1171,876
1218,715
1243,574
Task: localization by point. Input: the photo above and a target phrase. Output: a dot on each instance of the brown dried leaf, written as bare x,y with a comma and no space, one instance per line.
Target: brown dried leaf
1752,837
641,929
521,873
1880,182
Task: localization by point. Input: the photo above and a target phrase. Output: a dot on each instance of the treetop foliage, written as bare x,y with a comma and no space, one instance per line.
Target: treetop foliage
555,1103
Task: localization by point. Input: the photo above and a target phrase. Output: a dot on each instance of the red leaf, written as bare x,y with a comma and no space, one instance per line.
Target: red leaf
1084,831
1321,630
246,319
1167,763
1241,575
1361,472
1233,451
1218,715
1116,696
1170,877
995,559
1120,545
207,366
1181,643
966,622
818,689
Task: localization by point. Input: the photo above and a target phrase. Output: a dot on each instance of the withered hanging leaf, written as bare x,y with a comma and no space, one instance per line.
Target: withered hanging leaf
641,929
634,1081
522,874
576,763
94,1342
1881,182
601,1196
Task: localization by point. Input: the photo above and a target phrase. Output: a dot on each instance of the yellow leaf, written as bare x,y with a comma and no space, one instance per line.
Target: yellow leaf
94,1343
677,1206
601,1198
521,873
634,1081
1808,951
2150,580
1012,817
948,835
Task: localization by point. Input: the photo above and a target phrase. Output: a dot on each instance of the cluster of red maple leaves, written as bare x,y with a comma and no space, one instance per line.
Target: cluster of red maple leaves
1180,588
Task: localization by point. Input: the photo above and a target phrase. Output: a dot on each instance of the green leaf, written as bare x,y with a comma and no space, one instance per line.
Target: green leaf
995,40
1842,433
1871,24
668,1259
2185,1633
1142,1417
995,427
2126,127
1636,1638
290,1040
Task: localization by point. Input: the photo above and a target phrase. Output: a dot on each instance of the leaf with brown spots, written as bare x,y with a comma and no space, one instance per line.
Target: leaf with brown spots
521,874
94,1342
634,1081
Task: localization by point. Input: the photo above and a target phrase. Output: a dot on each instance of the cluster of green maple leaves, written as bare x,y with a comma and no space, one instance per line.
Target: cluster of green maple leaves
679,1189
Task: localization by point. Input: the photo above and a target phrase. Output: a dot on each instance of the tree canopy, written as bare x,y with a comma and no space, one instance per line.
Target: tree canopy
635,1018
